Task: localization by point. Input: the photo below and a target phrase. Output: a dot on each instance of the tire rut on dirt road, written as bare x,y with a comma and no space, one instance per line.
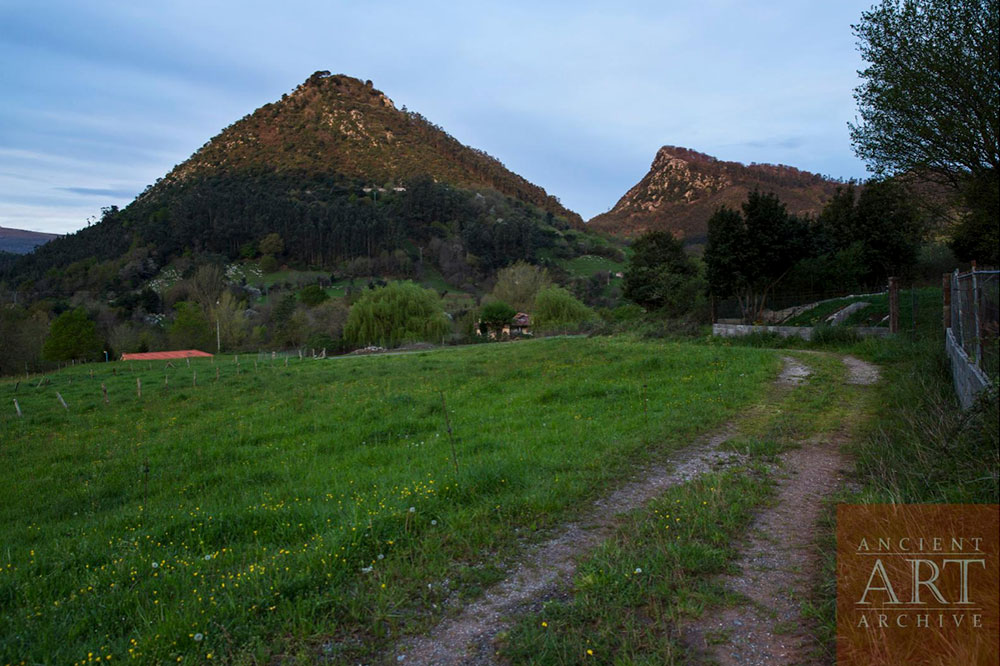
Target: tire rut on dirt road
777,562
546,569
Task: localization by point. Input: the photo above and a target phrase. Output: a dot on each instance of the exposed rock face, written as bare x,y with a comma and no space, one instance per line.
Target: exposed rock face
336,123
684,187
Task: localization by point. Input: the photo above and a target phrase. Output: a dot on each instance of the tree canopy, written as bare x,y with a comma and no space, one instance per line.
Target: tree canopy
495,315
929,104
660,275
72,336
748,253
396,313
930,98
557,308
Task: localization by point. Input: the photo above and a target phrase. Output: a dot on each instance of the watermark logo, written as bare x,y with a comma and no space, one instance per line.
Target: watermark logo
918,584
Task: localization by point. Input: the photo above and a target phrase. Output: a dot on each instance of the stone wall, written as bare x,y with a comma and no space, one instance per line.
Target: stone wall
804,332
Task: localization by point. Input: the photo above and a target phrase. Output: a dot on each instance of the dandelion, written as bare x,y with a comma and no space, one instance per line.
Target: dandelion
545,624
590,652
366,569
413,509
208,557
156,565
434,522
381,556
199,637
638,570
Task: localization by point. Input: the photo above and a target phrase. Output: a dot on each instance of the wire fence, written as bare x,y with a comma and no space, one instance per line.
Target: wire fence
975,316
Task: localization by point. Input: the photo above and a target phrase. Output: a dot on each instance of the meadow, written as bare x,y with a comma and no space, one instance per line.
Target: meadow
245,509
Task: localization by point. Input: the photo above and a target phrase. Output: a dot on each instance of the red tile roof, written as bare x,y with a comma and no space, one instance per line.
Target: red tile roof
166,355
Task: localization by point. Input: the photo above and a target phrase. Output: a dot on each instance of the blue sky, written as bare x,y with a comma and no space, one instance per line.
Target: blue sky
101,98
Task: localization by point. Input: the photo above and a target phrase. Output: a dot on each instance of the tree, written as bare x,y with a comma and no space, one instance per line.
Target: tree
929,103
396,313
661,276
313,295
889,229
271,244
229,313
190,329
748,254
495,315
557,308
72,336
518,284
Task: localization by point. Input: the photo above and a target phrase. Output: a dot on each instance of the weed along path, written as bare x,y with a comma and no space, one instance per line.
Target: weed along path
774,560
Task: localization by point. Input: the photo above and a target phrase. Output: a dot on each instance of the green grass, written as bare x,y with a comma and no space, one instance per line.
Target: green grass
631,597
924,298
589,264
270,493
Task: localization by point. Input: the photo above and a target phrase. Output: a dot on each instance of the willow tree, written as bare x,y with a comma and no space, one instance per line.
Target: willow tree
394,314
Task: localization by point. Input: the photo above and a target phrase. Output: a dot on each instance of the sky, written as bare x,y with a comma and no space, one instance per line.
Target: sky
101,98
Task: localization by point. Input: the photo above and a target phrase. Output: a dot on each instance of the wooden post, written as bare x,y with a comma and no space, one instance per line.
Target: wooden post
17,408
194,378
447,421
166,382
104,390
893,305
946,293
138,386
62,402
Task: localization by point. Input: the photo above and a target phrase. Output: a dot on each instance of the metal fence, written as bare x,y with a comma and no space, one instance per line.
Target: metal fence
975,313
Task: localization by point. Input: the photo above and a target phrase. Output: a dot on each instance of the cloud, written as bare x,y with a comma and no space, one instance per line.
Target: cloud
124,193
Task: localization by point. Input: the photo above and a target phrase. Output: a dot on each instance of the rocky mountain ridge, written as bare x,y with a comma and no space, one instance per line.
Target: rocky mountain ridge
683,188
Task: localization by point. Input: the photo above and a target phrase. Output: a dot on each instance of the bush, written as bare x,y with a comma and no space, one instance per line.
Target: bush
72,336
313,295
557,308
396,313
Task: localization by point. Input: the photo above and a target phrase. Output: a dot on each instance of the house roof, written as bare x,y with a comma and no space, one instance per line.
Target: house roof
165,355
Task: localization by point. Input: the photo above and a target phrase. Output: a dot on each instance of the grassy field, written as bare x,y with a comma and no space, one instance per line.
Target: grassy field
242,512
632,595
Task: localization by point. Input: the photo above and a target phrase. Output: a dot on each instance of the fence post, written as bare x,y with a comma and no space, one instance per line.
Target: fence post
975,316
956,313
893,305
946,294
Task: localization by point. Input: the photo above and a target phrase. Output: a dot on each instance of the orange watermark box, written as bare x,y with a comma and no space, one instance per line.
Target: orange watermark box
918,584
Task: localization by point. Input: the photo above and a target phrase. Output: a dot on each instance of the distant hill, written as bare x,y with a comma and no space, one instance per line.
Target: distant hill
20,241
341,175
336,123
684,188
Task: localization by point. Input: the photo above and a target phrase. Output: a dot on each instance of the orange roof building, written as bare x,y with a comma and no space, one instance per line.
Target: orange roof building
166,355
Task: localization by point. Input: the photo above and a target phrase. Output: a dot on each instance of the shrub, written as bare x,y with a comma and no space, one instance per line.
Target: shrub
557,308
396,313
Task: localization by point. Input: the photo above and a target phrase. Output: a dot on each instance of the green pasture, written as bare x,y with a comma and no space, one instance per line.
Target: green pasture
242,512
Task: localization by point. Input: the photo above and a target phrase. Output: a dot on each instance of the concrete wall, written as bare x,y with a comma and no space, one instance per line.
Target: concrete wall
804,332
969,380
